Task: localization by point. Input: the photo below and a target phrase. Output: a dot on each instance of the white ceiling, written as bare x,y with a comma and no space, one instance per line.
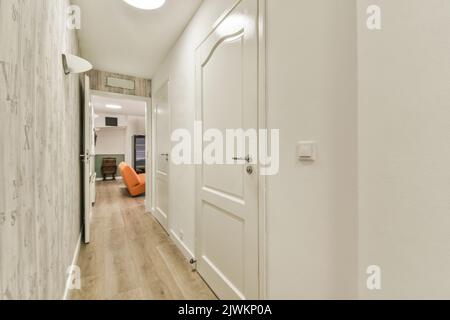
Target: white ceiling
116,37
129,107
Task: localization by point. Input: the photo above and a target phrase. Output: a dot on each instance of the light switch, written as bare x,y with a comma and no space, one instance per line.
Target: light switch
306,151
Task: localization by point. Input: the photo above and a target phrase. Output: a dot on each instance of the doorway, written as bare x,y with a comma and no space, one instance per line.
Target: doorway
116,131
162,132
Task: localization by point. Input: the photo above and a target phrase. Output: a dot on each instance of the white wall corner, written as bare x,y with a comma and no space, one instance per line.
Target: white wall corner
187,253
74,262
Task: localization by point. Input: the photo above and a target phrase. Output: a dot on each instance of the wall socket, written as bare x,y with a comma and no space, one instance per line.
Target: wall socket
181,235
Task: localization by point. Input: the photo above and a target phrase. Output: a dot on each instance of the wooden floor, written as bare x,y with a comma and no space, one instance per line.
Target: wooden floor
131,257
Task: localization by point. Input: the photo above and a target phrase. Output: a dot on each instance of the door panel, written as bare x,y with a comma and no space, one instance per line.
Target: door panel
162,120
149,141
88,159
223,251
162,194
222,108
227,196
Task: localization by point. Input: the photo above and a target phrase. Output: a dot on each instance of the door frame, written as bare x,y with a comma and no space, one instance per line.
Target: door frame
153,210
262,121
262,124
86,158
149,142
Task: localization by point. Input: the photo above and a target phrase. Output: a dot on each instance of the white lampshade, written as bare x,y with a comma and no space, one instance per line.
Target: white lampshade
74,64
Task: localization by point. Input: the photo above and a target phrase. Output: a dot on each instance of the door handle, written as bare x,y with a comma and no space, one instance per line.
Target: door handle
86,157
247,159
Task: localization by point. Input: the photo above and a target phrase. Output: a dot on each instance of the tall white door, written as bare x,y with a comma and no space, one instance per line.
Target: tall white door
162,141
87,159
149,156
227,195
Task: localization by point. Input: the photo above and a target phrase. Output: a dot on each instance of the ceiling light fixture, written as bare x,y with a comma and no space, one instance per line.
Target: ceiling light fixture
113,106
146,4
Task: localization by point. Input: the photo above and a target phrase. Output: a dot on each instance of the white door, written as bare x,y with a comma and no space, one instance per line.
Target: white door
227,195
162,141
149,197
87,158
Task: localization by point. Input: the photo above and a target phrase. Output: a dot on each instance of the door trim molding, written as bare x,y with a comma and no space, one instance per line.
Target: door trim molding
154,210
262,122
87,133
187,253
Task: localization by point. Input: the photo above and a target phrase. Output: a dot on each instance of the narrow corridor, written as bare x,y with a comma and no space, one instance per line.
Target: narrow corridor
131,257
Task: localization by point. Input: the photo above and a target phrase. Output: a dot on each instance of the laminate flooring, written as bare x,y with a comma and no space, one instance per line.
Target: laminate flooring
131,257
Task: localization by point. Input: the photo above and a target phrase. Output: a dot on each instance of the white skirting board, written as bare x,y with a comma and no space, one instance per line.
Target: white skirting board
101,179
185,251
74,262
182,246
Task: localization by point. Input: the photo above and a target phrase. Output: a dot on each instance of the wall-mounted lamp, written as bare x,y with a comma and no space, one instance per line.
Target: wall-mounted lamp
74,64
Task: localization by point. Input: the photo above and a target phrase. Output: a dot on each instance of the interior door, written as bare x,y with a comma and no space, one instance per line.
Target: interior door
162,138
87,159
149,163
227,195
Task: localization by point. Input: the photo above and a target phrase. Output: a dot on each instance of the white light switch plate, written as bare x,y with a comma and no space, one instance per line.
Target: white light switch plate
306,151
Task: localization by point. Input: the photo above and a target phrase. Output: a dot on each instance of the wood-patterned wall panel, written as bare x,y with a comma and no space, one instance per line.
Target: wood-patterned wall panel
143,87
39,160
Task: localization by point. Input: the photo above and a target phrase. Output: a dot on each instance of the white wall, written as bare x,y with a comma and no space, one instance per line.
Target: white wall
100,120
311,95
110,141
118,140
404,148
388,152
179,67
312,223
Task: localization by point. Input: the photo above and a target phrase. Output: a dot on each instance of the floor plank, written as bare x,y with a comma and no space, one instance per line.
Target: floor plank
131,257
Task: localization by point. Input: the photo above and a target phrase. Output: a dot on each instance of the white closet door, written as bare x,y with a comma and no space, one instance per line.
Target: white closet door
162,122
87,159
227,195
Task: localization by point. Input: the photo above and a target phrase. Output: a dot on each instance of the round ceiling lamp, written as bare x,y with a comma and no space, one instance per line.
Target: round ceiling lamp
146,4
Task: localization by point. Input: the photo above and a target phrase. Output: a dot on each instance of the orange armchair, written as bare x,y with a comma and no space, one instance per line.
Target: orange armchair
134,182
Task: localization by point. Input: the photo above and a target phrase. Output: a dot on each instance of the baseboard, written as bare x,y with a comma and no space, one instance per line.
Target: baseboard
101,179
161,218
182,246
74,262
